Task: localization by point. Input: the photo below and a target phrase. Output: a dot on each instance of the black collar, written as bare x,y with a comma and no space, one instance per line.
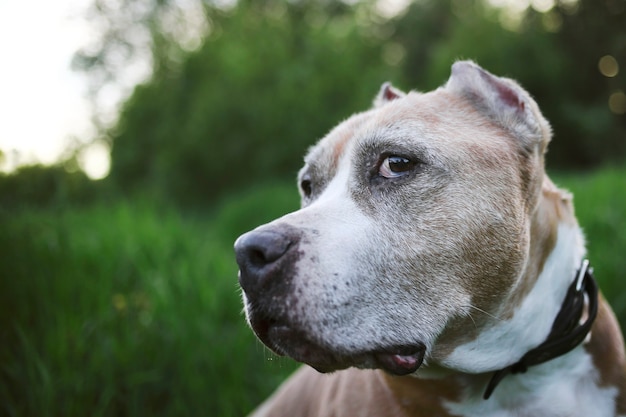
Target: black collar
567,331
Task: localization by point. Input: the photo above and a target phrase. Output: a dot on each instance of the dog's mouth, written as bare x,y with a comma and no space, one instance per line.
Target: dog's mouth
286,340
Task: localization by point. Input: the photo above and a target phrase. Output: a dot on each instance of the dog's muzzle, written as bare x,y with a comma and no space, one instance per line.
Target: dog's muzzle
268,261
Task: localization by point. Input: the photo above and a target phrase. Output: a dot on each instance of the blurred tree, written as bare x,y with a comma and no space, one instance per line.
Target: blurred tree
133,40
589,30
45,186
269,77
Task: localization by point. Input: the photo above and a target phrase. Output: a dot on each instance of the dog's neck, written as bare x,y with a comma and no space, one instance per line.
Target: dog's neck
569,384
553,266
524,319
569,329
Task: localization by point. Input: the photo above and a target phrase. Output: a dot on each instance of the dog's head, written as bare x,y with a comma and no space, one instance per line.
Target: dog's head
414,230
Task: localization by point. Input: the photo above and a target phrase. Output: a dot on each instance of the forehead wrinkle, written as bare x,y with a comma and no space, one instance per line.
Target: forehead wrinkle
465,134
347,132
406,124
418,118
415,109
329,150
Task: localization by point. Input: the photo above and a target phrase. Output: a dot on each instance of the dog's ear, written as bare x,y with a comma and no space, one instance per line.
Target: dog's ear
386,94
503,101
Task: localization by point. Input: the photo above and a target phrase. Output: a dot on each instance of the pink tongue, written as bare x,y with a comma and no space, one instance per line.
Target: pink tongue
400,364
405,361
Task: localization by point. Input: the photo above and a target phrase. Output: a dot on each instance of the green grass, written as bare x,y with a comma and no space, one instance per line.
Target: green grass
600,203
126,309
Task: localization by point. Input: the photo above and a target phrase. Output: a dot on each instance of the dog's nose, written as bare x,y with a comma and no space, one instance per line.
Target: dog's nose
260,255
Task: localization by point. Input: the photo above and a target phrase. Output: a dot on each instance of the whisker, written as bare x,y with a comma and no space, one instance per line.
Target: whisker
473,321
484,312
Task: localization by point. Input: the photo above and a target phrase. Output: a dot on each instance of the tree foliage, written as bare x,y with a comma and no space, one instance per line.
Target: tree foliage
45,186
265,84
271,77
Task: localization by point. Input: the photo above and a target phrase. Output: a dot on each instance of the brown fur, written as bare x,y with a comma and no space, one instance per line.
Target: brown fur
607,349
353,393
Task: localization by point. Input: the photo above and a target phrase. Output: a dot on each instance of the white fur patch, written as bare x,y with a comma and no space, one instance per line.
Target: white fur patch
566,386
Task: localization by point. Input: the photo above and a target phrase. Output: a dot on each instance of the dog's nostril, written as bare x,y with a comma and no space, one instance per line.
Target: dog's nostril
261,248
257,253
257,257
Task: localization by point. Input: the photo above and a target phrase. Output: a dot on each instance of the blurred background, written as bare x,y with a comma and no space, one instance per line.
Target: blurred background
183,124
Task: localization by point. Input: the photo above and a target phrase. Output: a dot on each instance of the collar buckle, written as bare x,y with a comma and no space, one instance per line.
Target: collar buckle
582,271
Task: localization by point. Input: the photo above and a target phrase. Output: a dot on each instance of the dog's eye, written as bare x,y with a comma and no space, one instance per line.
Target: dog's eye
306,187
395,166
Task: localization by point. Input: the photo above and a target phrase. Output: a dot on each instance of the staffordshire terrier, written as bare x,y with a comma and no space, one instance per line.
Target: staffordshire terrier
433,268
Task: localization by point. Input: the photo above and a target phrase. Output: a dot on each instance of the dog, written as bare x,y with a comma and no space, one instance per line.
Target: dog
433,268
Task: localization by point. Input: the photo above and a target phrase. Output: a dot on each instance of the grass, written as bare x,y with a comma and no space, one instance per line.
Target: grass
600,203
126,309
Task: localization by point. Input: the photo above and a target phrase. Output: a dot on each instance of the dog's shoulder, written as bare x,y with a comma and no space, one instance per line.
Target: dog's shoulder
606,347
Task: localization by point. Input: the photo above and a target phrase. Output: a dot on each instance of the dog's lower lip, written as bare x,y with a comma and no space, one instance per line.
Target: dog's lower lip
404,362
284,340
400,364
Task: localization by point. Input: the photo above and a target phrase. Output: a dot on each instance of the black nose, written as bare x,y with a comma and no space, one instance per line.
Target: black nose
261,255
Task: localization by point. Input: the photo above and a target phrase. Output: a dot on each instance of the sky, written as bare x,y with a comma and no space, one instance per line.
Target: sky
42,101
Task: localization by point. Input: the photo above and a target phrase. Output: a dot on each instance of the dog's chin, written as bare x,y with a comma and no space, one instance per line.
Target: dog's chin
286,340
